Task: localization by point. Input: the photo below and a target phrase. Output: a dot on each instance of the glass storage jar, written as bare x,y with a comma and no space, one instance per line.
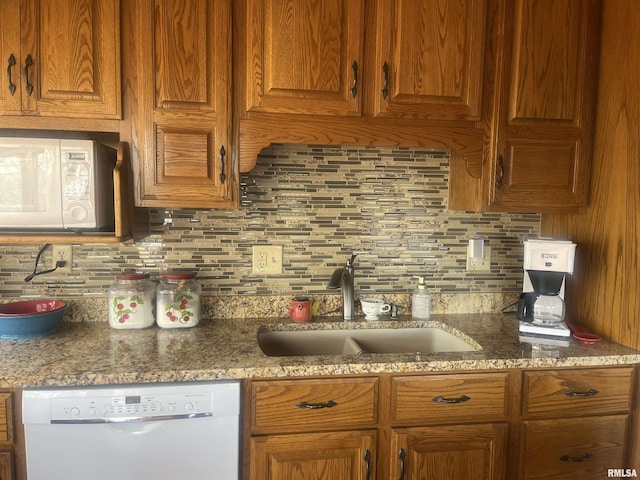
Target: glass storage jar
132,301
178,300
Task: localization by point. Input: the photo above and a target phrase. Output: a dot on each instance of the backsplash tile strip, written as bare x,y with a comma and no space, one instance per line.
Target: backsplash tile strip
321,204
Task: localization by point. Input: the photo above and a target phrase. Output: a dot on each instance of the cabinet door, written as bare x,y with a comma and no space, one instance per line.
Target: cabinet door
185,103
74,50
304,56
6,466
457,452
573,449
11,80
542,162
428,58
314,456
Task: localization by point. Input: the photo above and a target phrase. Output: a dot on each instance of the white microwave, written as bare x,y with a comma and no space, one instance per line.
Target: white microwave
56,184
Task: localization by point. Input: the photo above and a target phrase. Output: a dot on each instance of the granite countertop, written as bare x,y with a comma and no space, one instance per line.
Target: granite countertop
93,354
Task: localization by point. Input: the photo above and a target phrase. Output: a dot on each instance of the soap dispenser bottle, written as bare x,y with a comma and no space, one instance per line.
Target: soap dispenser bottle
420,301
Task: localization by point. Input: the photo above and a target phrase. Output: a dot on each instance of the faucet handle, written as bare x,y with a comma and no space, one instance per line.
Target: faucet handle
351,260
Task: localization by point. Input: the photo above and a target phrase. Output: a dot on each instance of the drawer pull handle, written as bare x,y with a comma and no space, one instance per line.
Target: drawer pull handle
28,62
11,62
460,399
568,458
401,456
385,85
354,89
316,406
367,461
591,393
223,154
500,174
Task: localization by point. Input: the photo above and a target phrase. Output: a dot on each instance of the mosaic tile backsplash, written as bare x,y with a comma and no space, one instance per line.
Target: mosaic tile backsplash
321,204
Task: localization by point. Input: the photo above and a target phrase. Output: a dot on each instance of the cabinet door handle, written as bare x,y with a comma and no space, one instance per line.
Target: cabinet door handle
10,63
460,399
223,154
589,393
316,406
28,62
568,458
354,89
401,456
385,85
500,175
367,461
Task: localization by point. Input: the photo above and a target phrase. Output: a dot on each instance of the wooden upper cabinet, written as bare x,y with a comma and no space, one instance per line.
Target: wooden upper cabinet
543,145
63,57
180,67
425,58
304,56
11,80
428,58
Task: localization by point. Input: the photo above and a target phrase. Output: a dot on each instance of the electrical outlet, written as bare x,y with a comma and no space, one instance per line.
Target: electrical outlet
479,264
267,259
63,253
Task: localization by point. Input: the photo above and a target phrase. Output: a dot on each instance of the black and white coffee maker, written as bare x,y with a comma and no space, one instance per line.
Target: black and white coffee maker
541,308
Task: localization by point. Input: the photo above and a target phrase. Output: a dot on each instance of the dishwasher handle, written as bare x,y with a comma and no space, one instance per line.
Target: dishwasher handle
152,418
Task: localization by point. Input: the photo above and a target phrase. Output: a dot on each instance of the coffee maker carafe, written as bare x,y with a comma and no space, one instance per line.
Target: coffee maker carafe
541,307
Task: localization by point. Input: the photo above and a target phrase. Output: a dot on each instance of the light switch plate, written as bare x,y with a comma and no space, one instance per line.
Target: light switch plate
267,259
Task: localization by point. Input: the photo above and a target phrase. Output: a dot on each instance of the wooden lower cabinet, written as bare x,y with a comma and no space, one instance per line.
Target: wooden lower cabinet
452,452
6,466
573,448
575,423
328,455
533,424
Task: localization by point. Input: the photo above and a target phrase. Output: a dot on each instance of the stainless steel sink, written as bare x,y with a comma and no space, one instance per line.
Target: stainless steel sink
361,341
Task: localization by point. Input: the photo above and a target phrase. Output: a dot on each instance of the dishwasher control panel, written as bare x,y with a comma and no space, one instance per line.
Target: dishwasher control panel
128,407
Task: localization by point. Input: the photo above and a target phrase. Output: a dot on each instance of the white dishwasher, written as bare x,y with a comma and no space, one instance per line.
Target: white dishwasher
186,431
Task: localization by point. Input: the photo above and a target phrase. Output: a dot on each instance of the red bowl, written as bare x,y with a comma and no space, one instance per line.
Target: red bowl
31,307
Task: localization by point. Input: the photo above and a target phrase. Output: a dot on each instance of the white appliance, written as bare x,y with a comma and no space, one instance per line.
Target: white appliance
186,431
52,183
541,308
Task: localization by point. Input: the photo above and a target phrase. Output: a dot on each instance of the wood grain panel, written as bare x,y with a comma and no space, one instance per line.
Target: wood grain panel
275,404
605,390
182,62
6,418
588,446
10,45
453,452
413,398
334,455
300,55
75,47
435,53
602,294
545,81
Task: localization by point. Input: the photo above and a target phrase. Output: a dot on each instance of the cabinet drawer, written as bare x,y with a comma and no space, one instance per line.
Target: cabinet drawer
306,405
577,392
577,448
442,398
6,418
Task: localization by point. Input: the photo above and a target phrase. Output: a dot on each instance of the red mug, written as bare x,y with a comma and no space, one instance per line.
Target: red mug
300,310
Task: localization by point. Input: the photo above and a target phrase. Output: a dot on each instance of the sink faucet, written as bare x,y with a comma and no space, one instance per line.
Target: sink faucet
344,277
